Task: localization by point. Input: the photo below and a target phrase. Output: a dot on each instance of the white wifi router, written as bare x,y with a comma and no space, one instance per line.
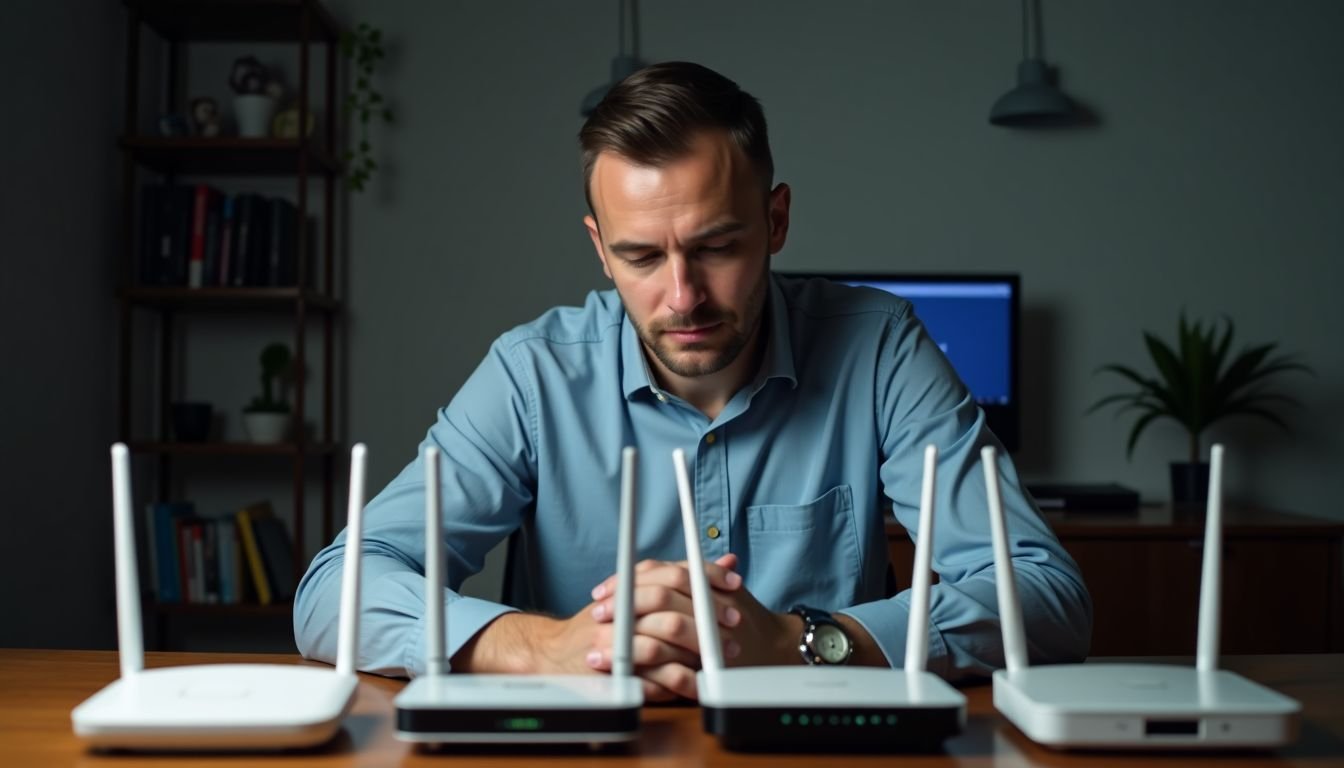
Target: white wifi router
840,708
1135,706
443,708
218,706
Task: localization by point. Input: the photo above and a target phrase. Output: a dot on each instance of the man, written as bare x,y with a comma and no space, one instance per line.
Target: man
800,403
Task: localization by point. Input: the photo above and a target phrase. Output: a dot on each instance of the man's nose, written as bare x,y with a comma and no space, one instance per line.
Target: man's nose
685,292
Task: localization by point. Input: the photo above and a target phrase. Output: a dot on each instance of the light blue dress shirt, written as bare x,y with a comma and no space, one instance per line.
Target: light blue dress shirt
792,475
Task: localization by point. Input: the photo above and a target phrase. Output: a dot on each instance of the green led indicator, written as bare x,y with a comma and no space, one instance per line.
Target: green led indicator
521,724
786,719
891,719
860,720
802,719
835,719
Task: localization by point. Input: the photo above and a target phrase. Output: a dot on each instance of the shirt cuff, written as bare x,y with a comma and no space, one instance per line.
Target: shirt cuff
465,617
887,622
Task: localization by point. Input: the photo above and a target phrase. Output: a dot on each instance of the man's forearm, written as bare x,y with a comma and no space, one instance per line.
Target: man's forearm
514,643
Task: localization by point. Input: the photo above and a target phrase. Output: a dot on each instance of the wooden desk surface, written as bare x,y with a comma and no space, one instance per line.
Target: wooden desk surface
39,688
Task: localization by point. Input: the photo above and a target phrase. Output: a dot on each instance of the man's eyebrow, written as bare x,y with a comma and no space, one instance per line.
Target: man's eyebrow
718,230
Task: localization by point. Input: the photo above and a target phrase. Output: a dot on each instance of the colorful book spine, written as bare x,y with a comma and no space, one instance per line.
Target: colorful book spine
252,553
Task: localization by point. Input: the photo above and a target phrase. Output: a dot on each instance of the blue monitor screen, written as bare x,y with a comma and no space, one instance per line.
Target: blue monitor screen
973,319
971,323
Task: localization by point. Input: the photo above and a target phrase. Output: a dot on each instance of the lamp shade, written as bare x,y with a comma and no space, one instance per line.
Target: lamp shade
1035,100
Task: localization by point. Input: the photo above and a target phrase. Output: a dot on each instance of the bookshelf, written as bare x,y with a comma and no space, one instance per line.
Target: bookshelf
153,318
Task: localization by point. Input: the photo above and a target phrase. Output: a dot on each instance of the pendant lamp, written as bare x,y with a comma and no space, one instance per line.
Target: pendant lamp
1035,101
626,61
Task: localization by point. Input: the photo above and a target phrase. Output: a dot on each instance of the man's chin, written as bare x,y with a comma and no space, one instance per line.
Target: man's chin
694,360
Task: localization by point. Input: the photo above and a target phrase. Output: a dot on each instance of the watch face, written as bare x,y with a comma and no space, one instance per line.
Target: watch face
830,643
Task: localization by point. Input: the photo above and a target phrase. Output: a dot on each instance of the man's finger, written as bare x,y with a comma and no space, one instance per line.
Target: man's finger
675,575
651,599
677,679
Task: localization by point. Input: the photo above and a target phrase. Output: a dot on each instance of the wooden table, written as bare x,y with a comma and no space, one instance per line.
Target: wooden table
39,688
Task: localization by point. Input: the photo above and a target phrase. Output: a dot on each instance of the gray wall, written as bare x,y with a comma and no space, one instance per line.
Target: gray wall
1212,182
59,224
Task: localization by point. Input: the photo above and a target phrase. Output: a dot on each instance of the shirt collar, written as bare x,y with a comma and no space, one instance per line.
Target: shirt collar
777,362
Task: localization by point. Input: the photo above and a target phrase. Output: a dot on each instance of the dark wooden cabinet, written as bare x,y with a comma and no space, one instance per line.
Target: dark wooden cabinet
1282,579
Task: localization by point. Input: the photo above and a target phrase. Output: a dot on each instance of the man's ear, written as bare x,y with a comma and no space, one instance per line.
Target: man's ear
596,237
778,215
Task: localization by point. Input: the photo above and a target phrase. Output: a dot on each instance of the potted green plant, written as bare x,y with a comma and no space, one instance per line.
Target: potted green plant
266,418
1198,384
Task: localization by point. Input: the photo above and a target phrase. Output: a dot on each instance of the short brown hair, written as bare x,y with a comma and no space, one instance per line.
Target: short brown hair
651,116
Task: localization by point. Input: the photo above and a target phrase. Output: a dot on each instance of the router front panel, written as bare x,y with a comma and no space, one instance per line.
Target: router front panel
1149,705
830,708
1162,721
854,727
519,708
511,691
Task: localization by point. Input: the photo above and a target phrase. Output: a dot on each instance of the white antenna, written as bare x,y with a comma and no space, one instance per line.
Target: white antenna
1010,611
622,663
347,641
436,658
706,626
130,635
1211,579
917,637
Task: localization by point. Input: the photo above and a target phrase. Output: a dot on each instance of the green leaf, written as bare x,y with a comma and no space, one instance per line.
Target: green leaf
1139,427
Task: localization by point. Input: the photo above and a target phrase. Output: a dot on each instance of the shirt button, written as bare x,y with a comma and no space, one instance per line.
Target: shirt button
660,397
709,439
712,532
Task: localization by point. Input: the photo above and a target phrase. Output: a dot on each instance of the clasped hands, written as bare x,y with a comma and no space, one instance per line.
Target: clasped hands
666,649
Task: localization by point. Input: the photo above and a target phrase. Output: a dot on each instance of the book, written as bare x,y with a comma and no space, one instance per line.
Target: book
177,234
277,556
247,518
151,207
213,236
210,558
200,204
224,561
226,240
167,561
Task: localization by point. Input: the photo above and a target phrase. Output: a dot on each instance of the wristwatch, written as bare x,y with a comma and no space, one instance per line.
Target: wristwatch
824,641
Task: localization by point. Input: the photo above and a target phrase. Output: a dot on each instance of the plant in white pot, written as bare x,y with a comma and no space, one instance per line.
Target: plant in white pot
256,93
1197,384
267,418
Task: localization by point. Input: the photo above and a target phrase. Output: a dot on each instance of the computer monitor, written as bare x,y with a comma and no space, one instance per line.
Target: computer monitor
974,319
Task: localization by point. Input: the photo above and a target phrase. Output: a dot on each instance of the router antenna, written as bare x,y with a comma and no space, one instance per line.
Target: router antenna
706,626
622,663
1010,610
1211,579
917,637
436,658
347,641
130,635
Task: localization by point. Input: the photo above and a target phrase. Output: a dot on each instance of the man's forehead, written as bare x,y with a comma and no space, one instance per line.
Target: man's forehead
713,170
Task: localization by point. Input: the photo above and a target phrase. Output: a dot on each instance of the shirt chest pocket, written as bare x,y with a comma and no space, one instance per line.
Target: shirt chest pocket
804,553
